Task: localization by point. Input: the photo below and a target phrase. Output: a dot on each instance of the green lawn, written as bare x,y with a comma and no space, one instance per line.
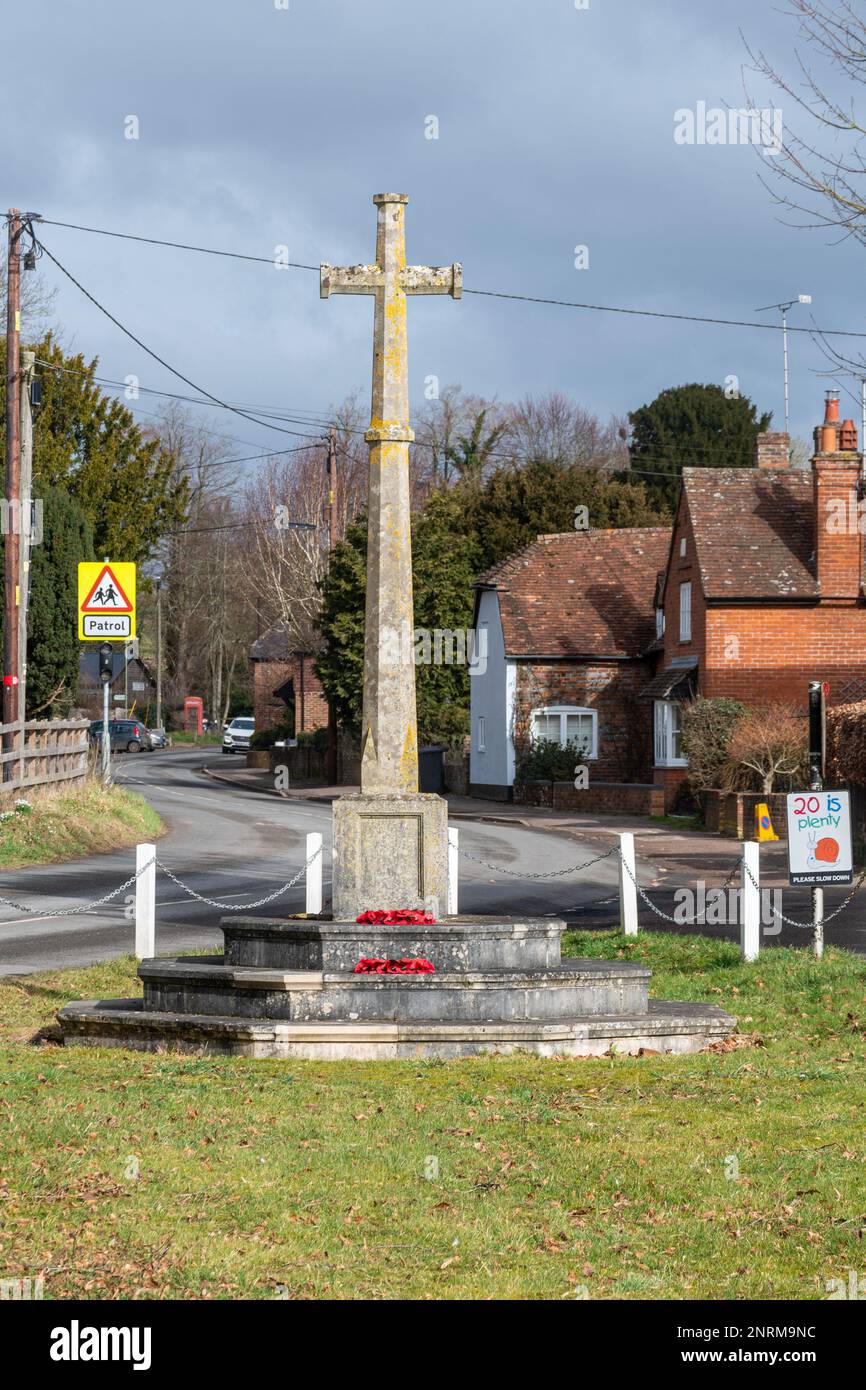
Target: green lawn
88,818
736,1173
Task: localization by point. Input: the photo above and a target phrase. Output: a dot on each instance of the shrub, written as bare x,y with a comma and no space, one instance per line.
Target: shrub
546,760
846,743
707,729
267,738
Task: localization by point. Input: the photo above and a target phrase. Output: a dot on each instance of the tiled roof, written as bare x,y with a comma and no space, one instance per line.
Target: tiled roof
754,531
581,593
273,645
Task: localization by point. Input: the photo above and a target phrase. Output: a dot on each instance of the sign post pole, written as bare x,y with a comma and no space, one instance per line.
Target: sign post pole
817,749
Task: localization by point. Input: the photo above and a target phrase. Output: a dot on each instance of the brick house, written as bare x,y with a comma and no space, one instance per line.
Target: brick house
570,646
285,685
763,589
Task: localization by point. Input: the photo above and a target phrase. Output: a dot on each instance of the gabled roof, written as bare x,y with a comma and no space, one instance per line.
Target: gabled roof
273,645
580,593
754,531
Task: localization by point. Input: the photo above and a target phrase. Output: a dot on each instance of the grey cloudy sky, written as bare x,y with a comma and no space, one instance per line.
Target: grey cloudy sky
261,126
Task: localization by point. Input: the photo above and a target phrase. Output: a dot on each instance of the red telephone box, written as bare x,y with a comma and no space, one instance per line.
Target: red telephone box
193,714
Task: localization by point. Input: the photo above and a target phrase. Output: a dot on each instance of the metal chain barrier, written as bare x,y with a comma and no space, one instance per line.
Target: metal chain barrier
239,907
808,926
554,873
115,892
85,907
685,921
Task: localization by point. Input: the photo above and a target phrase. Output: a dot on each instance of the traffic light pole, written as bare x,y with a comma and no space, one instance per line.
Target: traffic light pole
105,674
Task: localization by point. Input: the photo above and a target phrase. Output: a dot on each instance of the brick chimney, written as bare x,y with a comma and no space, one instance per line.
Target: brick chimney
772,449
836,473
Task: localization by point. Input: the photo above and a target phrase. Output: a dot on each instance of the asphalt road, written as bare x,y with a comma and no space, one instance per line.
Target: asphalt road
236,846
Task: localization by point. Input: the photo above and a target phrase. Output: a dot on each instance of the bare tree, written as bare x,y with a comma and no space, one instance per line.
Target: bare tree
37,302
824,165
553,426
770,742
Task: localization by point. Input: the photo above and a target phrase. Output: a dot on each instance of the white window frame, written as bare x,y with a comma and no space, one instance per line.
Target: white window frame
660,622
663,734
481,747
563,711
686,611
682,547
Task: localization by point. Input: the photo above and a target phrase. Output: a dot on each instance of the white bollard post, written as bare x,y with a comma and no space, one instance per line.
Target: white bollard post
627,885
750,921
453,842
145,902
314,873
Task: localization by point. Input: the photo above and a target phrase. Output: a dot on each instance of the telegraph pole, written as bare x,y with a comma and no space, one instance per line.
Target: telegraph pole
331,750
159,653
25,537
13,484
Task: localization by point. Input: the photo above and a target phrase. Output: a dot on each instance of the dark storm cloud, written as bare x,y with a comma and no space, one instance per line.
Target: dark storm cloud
261,126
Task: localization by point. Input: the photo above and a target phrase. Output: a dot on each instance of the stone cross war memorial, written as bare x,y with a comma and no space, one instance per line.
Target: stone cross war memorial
290,987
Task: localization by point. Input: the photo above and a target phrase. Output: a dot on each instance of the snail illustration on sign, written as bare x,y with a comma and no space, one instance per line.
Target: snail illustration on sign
826,851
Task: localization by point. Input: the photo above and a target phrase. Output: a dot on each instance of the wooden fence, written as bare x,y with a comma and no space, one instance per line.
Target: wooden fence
54,750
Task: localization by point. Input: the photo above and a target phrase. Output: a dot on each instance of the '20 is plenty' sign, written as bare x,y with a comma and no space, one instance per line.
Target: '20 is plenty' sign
819,838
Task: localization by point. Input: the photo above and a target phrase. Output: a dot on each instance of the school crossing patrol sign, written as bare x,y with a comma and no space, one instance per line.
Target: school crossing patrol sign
106,601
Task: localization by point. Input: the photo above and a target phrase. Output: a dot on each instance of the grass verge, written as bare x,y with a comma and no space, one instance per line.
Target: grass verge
736,1173
89,818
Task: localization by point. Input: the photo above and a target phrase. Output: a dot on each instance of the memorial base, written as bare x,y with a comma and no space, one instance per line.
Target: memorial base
390,851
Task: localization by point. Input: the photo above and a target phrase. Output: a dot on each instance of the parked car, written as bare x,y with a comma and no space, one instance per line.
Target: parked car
127,735
159,738
238,733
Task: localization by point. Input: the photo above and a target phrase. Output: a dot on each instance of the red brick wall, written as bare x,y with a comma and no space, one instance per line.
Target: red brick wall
600,798
683,569
612,688
766,652
269,710
762,655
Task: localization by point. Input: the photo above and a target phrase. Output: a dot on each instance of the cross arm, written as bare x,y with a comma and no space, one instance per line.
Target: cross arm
349,279
433,279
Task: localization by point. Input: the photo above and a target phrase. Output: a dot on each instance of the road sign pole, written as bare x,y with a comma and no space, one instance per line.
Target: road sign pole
818,922
817,758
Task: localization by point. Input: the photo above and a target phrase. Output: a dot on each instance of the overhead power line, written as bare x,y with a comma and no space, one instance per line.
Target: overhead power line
487,294
161,360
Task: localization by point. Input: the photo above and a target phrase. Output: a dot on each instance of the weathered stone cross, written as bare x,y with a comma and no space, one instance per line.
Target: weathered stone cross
389,760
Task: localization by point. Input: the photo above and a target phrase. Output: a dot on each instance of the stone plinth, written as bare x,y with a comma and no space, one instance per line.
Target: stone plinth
390,851
287,988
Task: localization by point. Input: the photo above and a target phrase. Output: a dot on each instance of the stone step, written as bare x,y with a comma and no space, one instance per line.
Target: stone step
459,943
667,1026
209,985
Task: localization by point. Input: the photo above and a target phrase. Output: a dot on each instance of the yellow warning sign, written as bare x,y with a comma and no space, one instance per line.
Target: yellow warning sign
763,824
106,601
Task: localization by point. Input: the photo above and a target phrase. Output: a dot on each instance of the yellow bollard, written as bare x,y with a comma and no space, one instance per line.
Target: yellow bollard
763,825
